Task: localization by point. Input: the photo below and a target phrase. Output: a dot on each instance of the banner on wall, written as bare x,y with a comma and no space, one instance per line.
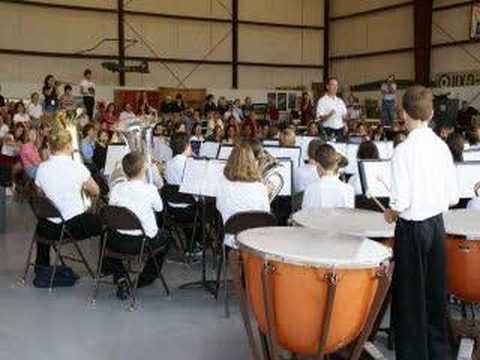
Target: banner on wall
458,79
475,30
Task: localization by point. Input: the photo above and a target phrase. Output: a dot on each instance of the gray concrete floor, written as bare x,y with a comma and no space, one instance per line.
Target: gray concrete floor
36,325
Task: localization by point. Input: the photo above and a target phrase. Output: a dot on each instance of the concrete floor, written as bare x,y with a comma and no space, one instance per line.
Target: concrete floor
36,325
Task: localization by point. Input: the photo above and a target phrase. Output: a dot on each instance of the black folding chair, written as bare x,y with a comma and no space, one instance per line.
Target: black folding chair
116,218
236,224
103,186
43,209
178,223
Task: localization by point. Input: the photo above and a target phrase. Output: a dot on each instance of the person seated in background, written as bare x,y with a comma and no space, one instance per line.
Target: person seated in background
21,117
109,118
237,112
179,103
231,134
63,180
29,154
35,109
456,144
399,138
307,174
87,148
127,113
217,135
465,116
180,145
444,130
222,105
247,108
242,188
473,135
328,191
366,151
210,105
67,101
144,201
161,151
248,129
312,129
197,133
378,133
474,203
287,137
13,141
4,128
100,151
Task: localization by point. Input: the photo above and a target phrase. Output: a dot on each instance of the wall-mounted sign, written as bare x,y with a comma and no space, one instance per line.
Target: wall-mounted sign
458,79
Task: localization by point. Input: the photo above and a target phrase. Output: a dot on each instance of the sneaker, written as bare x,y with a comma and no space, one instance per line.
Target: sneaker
123,291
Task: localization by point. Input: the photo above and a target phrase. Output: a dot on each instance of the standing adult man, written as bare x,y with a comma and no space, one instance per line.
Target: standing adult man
87,89
332,112
389,96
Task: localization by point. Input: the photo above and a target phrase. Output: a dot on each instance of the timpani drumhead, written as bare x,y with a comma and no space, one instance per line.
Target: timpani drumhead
463,222
311,247
360,222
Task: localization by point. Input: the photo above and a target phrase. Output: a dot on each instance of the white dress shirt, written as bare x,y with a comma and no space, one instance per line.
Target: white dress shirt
235,196
474,204
424,179
62,180
328,103
143,200
328,192
85,85
304,176
175,169
126,115
161,150
35,111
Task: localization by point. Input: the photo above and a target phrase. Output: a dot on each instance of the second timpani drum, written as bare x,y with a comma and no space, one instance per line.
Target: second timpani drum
463,254
313,290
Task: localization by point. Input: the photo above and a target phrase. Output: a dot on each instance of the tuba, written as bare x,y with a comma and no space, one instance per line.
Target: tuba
138,135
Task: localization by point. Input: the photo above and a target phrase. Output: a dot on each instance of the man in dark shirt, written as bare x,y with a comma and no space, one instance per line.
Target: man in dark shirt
465,115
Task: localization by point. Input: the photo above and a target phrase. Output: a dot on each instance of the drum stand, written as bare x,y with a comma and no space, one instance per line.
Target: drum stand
467,332
270,348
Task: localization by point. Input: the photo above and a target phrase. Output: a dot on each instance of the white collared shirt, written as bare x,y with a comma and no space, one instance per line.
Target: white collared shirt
304,176
85,85
235,196
424,179
328,103
328,192
35,111
175,169
62,179
143,200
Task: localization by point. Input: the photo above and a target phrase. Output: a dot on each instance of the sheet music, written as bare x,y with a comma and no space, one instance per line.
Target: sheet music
286,171
351,154
468,174
224,152
376,177
209,150
471,155
115,154
385,149
293,153
271,142
202,177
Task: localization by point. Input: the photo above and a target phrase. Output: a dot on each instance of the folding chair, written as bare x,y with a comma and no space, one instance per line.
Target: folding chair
116,218
236,224
176,224
43,209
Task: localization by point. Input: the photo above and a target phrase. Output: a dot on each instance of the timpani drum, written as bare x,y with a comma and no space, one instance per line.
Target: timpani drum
463,254
360,222
312,292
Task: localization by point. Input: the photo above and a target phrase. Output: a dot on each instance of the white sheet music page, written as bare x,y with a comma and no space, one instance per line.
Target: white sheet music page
468,174
285,170
115,154
378,177
471,155
209,150
292,153
225,151
193,177
351,155
213,177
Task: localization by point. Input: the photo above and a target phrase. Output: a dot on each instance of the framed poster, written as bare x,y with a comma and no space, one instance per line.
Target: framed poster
292,101
282,101
475,26
272,99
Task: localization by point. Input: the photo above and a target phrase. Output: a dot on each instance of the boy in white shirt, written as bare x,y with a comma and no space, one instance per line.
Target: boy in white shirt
182,150
329,191
144,201
424,185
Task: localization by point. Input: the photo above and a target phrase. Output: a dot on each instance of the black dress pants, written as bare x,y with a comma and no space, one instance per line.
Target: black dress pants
419,295
89,102
83,226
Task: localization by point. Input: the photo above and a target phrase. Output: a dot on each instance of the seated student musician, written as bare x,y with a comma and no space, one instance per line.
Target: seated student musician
242,188
328,191
307,174
287,137
182,150
144,201
63,180
366,151
87,149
